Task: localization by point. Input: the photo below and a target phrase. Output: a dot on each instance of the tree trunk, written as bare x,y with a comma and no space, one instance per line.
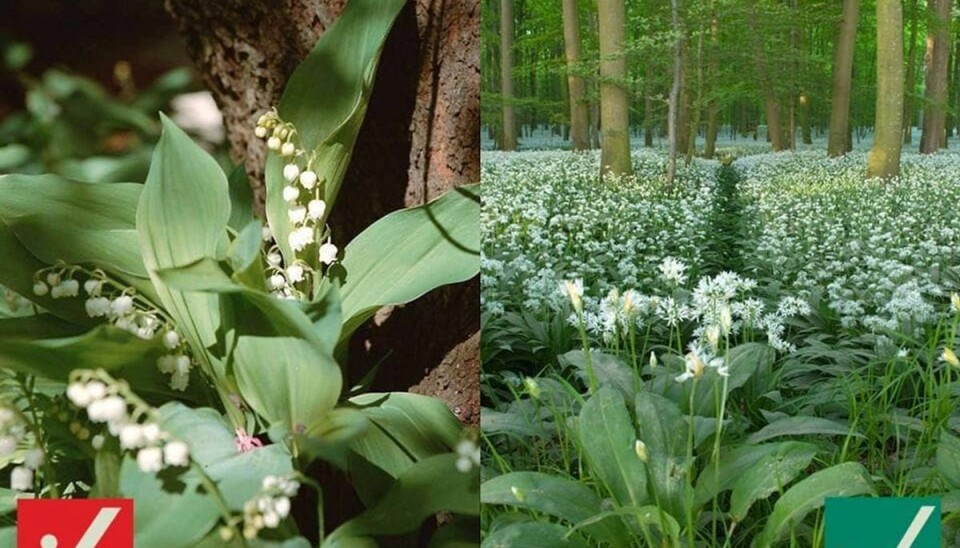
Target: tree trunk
911,77
838,141
506,75
935,105
579,115
771,103
614,115
710,141
648,105
674,95
884,159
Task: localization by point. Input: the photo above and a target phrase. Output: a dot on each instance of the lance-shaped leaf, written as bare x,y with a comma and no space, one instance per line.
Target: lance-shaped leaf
182,217
326,97
430,486
410,252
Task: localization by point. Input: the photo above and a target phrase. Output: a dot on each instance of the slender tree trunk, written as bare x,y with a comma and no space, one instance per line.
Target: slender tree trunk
648,105
935,93
506,75
614,115
838,141
683,104
804,115
911,77
771,104
579,115
884,159
674,95
710,141
697,103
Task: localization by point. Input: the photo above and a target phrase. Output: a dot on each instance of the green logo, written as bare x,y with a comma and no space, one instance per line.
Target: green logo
857,522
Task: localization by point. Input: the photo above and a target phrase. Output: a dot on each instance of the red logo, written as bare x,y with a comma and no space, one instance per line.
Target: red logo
75,523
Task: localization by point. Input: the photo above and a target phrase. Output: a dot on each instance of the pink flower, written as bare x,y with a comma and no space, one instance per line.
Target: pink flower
245,442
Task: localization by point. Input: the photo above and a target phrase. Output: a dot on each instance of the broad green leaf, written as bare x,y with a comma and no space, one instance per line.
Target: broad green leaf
326,97
211,441
427,487
768,475
608,438
514,424
461,532
664,430
8,502
57,219
283,316
410,252
39,326
13,155
182,217
330,437
533,534
287,381
801,426
407,428
131,166
610,371
736,462
176,514
948,458
105,347
19,267
241,199
244,257
560,497
843,480
106,467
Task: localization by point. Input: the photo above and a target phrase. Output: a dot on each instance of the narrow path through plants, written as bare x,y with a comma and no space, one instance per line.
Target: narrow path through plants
726,227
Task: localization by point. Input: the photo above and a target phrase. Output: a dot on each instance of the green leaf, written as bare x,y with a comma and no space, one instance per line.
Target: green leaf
285,380
801,426
736,462
106,466
497,422
429,486
12,156
122,354
330,437
79,223
461,532
533,534
843,480
664,430
176,513
610,370
241,199
410,252
948,458
769,475
326,98
19,267
211,441
39,326
182,217
560,497
407,428
608,437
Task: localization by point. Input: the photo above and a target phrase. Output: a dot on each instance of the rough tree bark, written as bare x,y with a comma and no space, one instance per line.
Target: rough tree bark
674,93
614,112
911,77
506,75
838,140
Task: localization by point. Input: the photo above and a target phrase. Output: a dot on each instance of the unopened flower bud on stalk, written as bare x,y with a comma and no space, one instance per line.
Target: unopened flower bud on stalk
291,172
291,193
950,357
308,179
297,214
316,209
40,289
328,253
641,449
287,149
574,290
273,143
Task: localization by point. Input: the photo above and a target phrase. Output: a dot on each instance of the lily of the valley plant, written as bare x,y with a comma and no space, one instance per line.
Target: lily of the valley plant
180,353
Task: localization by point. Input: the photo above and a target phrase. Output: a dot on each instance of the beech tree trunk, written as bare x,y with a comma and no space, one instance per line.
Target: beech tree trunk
933,137
648,105
911,77
771,103
509,122
884,159
614,114
838,141
674,94
579,113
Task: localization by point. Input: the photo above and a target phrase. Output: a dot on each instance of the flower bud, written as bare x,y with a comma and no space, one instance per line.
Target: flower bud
955,301
176,453
316,209
274,259
295,273
171,339
653,360
277,281
950,357
53,278
131,436
291,193
713,336
308,179
273,143
297,214
40,289
150,459
260,132
93,287
518,493
532,387
287,149
291,172
641,449
328,253
122,305
21,478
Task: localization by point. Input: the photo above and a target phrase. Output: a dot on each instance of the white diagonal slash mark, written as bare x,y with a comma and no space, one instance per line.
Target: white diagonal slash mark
913,531
99,527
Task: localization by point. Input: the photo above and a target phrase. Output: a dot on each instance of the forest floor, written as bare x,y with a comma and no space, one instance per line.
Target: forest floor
703,364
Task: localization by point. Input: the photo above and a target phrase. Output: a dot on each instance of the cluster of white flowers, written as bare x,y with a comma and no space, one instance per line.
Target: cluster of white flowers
306,209
105,403
880,255
13,431
177,363
468,455
270,506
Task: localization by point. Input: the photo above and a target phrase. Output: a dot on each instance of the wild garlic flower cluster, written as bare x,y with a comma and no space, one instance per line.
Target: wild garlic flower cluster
270,506
306,208
468,455
124,308
13,432
109,402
